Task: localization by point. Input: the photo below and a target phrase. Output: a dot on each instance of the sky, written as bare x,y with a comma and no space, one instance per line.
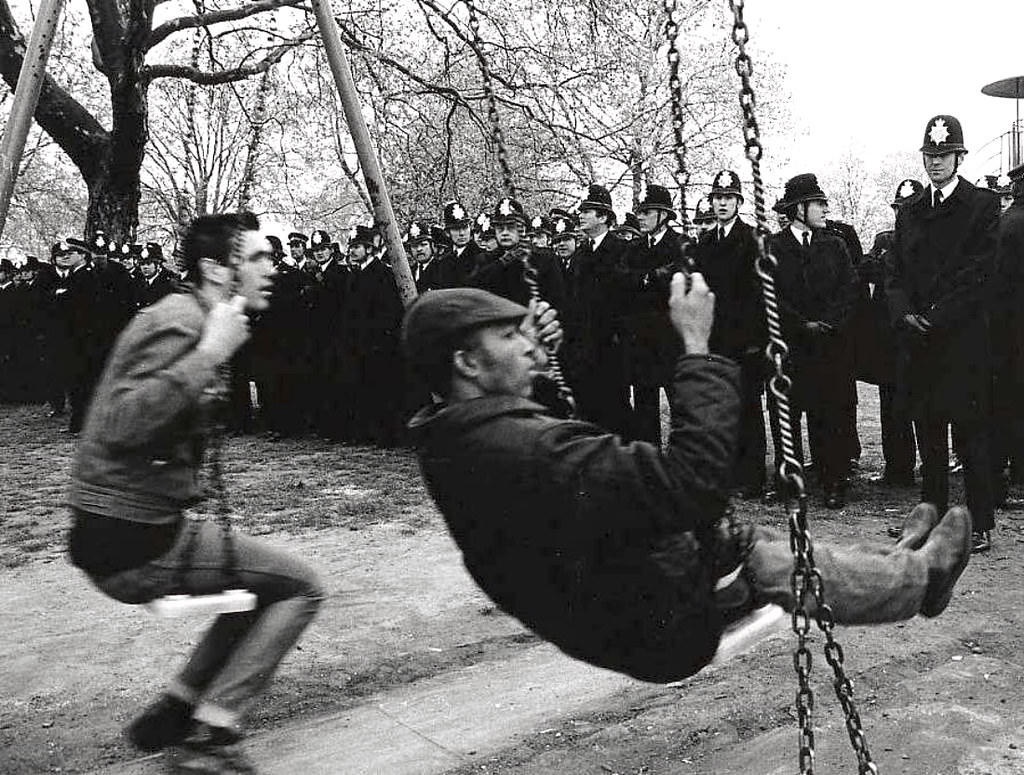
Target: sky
869,74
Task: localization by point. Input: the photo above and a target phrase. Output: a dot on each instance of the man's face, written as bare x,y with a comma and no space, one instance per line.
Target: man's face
460,235
255,270
725,206
322,255
541,240
99,260
508,234
783,220
650,219
422,251
564,247
817,212
486,242
356,252
297,250
592,221
148,269
504,359
71,260
1005,201
940,168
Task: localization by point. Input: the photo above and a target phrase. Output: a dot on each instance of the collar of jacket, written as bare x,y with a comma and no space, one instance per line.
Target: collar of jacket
469,414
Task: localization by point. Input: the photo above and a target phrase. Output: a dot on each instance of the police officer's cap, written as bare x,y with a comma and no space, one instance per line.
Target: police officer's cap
943,135
631,224
563,227
6,265
727,183
455,215
98,243
360,235
483,225
275,244
907,189
417,232
802,188
542,225
297,238
657,197
319,240
703,212
597,198
508,210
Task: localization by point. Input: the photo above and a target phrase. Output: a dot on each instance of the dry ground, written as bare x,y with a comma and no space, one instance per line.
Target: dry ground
76,666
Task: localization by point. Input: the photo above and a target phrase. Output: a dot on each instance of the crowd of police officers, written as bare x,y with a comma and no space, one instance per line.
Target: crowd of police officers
928,314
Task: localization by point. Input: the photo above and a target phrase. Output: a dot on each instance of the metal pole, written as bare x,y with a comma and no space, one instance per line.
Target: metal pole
26,95
382,210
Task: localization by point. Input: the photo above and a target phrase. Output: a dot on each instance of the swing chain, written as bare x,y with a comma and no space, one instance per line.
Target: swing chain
806,580
497,135
676,95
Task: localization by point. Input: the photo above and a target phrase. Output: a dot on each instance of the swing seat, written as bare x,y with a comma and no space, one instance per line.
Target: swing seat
227,602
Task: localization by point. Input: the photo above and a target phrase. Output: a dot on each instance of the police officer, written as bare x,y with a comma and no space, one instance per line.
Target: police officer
817,289
464,251
427,269
564,242
704,218
74,339
541,231
650,343
877,355
941,261
154,281
484,235
629,229
10,337
503,271
725,255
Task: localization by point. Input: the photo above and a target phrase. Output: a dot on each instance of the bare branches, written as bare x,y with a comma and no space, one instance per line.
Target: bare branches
230,75
167,29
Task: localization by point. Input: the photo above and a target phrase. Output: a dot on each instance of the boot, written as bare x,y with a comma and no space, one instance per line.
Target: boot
166,722
948,549
210,750
918,526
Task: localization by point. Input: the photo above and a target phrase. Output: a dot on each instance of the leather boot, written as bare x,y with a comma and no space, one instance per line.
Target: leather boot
948,550
918,526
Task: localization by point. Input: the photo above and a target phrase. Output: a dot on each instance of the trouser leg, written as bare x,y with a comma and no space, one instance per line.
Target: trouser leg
897,434
976,450
750,454
861,584
933,444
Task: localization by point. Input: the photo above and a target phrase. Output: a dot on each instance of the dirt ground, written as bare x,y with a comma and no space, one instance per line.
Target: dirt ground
937,696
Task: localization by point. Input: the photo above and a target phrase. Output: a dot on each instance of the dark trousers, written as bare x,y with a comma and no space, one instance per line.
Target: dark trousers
973,440
852,439
749,471
827,435
898,446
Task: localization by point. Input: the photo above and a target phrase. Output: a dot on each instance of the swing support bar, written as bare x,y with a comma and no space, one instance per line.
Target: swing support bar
26,97
382,210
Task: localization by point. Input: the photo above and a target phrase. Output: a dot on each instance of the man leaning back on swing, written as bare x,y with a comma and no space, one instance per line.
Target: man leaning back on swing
621,554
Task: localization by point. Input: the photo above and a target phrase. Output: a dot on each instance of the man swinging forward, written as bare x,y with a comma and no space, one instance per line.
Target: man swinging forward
618,553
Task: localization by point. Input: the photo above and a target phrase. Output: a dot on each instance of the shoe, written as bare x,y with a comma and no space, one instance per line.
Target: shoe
210,751
917,527
948,549
893,480
980,542
733,541
166,722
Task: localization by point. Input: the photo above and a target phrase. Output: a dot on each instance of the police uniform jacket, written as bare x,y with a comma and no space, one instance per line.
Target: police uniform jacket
817,283
728,269
589,541
500,271
940,266
1008,295
877,350
152,290
458,266
651,343
432,275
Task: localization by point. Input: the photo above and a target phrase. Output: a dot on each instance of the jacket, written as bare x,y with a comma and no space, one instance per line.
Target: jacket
597,545
141,448
941,264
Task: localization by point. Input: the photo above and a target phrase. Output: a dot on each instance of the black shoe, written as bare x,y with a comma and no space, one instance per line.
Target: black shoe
980,542
166,722
210,751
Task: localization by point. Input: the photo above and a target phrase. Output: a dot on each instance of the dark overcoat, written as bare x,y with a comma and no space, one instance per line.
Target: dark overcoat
817,283
940,266
501,272
1008,296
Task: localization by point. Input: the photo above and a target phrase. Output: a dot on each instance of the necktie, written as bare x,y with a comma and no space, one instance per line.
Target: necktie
938,198
721,234
650,242
807,239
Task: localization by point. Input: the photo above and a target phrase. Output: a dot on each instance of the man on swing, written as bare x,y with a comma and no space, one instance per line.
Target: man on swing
619,553
137,468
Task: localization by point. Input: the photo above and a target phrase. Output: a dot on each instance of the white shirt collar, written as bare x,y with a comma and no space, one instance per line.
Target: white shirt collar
657,236
367,262
727,228
799,231
947,190
598,240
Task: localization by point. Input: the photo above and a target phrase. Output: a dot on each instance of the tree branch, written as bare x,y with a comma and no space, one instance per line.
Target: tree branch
239,73
167,29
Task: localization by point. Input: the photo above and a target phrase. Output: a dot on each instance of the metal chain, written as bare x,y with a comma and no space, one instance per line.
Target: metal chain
497,135
806,581
676,95
530,275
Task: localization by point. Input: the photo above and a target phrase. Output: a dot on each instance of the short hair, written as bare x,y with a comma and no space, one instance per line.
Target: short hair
211,236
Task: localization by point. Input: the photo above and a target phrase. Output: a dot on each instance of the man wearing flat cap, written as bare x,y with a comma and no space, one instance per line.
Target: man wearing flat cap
941,264
621,554
817,289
